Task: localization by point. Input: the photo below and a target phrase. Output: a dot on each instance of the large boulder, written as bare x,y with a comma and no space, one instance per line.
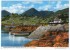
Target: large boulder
40,31
58,27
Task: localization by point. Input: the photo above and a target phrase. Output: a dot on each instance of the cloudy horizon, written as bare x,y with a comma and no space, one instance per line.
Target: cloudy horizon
21,6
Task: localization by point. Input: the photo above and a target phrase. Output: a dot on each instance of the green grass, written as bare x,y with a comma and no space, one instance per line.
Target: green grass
26,21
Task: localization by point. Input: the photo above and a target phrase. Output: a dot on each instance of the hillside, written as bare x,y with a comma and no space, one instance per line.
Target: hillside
63,14
33,16
64,11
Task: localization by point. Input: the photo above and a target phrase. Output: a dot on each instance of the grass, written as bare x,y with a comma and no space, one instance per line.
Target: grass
24,21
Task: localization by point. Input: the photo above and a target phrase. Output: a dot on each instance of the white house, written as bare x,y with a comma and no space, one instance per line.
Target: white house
57,20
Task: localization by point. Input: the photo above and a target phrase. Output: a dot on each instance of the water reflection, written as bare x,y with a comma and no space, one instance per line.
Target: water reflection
11,40
18,39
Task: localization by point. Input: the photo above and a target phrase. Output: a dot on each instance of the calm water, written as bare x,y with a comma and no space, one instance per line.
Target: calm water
10,40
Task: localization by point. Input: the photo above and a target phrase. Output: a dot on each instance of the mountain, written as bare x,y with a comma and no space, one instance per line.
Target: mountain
46,13
61,14
63,11
5,13
30,12
33,12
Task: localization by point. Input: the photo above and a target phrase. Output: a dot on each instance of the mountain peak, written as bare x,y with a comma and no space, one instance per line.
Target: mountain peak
31,12
32,9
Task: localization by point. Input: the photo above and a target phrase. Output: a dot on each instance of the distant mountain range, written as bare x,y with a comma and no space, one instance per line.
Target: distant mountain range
33,12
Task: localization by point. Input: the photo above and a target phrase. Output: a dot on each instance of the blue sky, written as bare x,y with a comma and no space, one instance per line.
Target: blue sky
22,6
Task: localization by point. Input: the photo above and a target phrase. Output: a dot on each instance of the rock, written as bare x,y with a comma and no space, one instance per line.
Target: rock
58,27
39,32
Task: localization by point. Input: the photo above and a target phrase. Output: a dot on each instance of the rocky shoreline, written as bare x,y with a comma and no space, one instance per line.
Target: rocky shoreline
51,39
49,36
46,36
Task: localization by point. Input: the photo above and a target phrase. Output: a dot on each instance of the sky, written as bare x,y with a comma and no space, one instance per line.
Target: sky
22,6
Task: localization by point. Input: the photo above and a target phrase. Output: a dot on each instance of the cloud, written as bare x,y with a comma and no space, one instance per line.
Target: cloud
31,6
59,6
66,5
52,2
22,7
54,6
33,2
36,2
25,2
17,8
46,7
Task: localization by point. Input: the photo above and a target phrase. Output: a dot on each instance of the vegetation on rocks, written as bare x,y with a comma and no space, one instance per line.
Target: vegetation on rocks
51,39
57,37
41,29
